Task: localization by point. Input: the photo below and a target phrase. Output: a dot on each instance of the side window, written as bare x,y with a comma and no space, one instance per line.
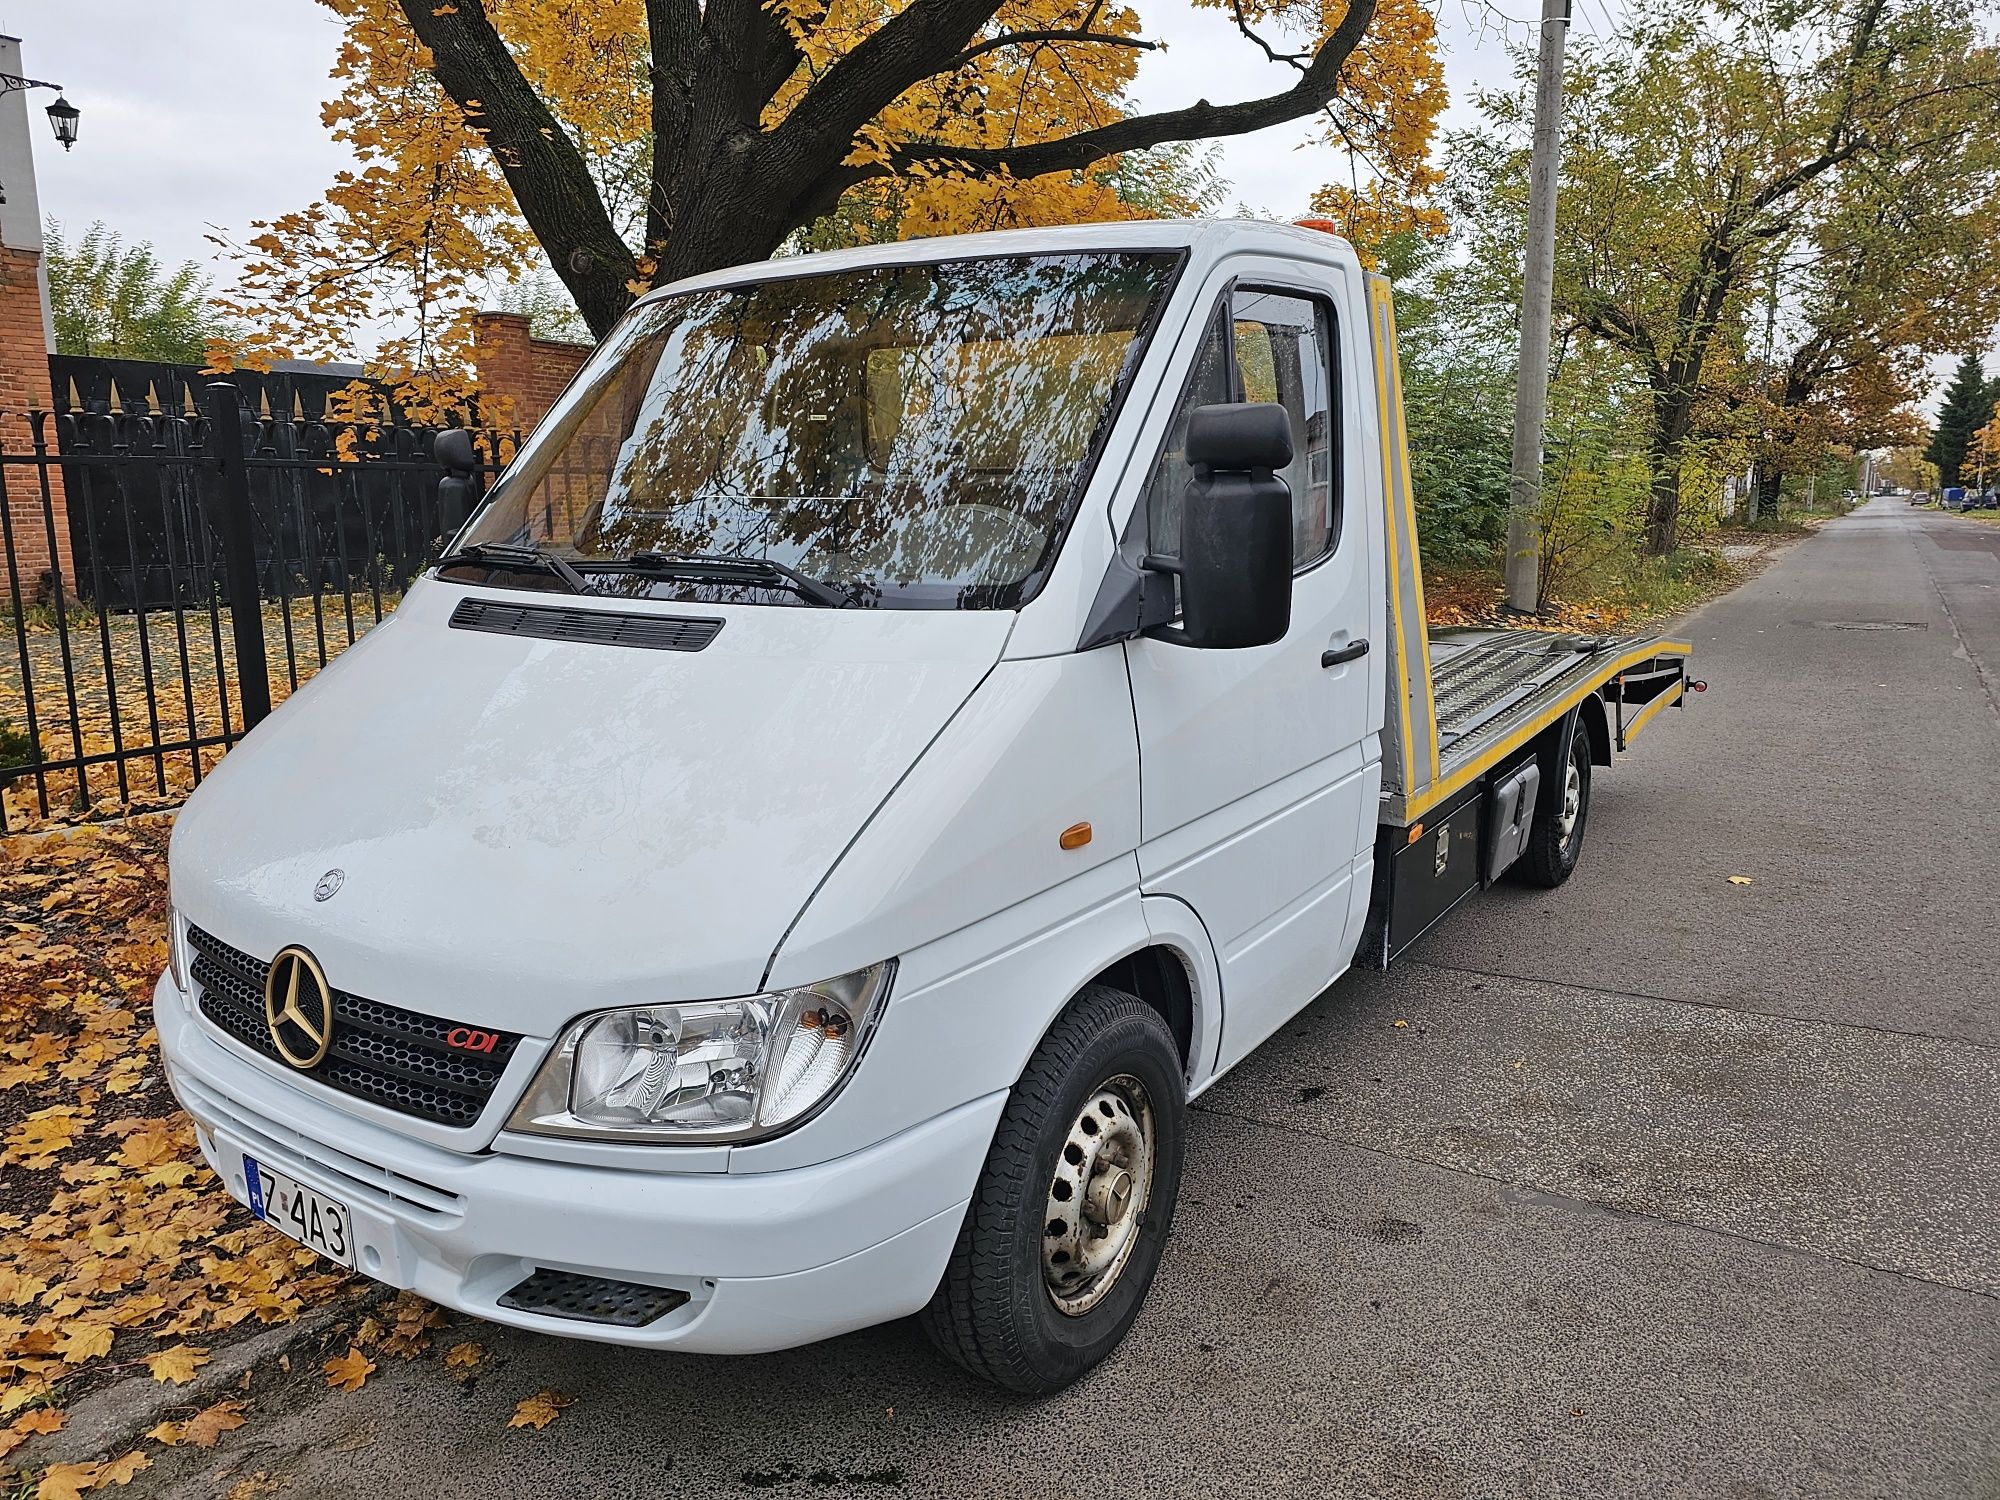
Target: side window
1279,348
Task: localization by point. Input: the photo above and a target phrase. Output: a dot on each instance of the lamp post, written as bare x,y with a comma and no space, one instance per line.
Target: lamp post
63,115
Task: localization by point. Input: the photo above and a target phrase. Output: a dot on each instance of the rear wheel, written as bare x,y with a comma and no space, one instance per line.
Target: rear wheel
1065,1229
1562,812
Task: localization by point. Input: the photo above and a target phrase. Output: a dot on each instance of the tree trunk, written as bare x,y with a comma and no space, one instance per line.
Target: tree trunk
1673,419
1663,507
1770,484
726,213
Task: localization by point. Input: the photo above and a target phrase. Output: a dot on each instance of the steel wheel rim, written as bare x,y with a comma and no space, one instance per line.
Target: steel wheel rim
1572,803
1096,1201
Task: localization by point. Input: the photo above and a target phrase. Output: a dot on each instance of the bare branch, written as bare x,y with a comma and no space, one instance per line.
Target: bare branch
1296,59
920,40
1199,121
1041,38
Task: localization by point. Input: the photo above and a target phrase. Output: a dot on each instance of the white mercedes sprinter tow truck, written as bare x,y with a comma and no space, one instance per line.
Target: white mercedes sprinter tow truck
908,721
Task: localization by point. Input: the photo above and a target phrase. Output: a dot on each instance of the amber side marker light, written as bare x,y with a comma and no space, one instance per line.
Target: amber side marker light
1416,832
1075,836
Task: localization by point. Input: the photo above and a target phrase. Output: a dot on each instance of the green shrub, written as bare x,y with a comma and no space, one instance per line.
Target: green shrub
18,751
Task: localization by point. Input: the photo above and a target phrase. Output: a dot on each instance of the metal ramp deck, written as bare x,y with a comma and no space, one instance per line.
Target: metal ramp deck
1479,677
1489,688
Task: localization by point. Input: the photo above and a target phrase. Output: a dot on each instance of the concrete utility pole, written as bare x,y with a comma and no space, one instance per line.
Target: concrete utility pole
1538,275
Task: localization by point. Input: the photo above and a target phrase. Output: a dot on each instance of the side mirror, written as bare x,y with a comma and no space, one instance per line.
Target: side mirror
1235,563
453,452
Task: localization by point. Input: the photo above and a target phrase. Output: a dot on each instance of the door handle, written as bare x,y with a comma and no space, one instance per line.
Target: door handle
1350,652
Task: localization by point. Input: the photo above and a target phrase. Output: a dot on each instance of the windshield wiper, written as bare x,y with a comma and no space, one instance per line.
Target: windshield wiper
754,572
522,559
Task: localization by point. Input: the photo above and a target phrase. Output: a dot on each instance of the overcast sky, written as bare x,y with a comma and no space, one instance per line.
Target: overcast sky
202,115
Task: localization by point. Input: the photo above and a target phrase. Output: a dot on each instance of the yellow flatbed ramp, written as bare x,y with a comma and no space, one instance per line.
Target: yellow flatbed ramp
1464,703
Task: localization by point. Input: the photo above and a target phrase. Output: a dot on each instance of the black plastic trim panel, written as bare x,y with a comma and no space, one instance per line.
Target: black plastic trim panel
594,627
592,1299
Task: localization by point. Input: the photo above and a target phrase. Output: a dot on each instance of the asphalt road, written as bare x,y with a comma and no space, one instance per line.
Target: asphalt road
1670,1186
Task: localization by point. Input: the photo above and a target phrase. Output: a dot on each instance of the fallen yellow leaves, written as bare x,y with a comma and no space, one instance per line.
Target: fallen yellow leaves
346,1372
1739,880
464,1356
84,1340
152,1142
142,717
1474,596
207,1425
41,1138
116,1243
67,1481
176,1366
27,1425
538,1410
204,1428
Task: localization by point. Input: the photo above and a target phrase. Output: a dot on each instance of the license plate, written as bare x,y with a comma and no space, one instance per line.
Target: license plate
313,1219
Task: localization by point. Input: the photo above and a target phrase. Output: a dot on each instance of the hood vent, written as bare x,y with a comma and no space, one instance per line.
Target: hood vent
590,626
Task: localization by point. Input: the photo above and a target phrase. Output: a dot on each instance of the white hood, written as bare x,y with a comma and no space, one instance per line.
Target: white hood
529,829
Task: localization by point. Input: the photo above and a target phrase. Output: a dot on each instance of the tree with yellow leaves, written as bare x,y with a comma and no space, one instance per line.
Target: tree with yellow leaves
624,143
1982,455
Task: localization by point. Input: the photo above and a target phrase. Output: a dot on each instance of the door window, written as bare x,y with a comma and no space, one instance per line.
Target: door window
1263,345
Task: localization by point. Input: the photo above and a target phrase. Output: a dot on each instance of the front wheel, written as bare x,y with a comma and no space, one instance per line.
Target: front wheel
1065,1229
1555,842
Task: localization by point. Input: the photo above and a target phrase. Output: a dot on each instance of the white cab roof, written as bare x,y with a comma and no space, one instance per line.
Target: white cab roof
1206,239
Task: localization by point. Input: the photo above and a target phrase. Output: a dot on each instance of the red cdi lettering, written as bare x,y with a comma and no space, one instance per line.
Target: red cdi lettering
465,1039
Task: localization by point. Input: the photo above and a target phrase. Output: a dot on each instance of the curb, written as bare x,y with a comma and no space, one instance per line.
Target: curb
108,1422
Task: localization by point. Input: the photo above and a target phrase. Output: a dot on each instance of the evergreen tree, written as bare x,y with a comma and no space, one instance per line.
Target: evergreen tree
1968,406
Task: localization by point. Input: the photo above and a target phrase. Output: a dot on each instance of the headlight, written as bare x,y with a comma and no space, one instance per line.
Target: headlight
715,1070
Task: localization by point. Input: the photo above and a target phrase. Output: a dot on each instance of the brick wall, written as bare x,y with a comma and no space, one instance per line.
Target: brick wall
523,372
520,378
24,387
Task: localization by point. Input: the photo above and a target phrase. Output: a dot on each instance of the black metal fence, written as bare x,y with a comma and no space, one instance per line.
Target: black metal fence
175,568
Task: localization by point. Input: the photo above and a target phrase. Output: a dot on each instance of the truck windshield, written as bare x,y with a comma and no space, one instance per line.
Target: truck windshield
913,436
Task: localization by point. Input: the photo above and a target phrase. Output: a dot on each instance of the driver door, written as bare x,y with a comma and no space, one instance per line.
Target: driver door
1255,776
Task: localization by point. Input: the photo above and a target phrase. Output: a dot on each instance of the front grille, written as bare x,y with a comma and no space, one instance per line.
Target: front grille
396,1058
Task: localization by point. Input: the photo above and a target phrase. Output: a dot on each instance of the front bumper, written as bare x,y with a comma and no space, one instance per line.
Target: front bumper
768,1260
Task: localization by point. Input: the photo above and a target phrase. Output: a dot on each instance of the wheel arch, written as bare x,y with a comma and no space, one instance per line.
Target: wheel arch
1597,725
1159,975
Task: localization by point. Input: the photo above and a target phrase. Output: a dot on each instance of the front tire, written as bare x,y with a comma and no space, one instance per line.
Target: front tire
1065,1230
1555,842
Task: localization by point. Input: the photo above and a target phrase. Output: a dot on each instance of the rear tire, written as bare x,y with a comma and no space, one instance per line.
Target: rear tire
1066,1227
1555,842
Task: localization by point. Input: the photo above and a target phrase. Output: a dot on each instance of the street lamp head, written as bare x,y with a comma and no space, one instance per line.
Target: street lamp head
63,115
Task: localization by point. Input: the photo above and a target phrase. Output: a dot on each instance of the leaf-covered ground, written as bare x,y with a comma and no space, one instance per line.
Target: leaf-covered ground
118,1250
121,1256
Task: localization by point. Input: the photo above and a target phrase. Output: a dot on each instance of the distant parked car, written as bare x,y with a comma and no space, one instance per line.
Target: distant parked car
1990,500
